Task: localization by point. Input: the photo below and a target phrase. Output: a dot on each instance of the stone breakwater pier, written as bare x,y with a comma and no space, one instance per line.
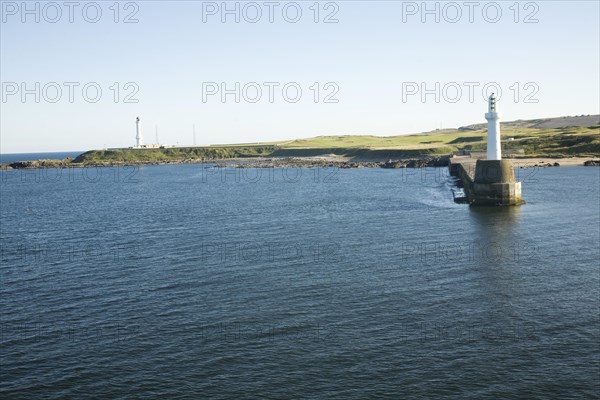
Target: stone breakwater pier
486,182
489,182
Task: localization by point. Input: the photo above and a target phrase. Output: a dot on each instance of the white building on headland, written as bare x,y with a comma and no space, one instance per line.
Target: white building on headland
139,138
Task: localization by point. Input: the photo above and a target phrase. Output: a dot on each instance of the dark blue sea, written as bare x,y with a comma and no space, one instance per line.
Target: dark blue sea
189,282
7,158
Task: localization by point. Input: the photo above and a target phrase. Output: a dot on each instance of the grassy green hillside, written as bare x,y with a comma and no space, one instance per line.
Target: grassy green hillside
179,153
555,142
423,141
529,140
552,142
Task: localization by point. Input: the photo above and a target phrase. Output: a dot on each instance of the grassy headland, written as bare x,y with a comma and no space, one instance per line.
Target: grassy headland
550,138
568,141
174,154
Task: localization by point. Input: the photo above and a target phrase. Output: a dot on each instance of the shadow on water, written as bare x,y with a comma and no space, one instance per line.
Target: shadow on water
495,223
498,254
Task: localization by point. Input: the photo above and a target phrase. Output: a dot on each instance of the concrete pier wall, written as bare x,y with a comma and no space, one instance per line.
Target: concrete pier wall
488,182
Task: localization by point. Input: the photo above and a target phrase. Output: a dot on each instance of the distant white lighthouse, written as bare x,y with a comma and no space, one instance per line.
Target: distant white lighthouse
494,151
138,133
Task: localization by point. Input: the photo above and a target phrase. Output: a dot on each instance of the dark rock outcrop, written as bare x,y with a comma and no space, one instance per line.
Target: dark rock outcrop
275,162
298,162
39,164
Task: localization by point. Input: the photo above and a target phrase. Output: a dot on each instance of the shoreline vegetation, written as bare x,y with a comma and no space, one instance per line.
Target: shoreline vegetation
531,143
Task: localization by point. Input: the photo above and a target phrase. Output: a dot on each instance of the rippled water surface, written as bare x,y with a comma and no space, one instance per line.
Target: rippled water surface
181,282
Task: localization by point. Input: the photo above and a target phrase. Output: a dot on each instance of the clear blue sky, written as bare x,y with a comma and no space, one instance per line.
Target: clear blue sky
370,54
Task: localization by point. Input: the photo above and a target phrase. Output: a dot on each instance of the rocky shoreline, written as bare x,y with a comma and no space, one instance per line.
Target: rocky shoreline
292,162
281,162
324,163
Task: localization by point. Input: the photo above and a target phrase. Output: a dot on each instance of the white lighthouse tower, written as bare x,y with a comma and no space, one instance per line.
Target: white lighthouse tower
494,151
138,133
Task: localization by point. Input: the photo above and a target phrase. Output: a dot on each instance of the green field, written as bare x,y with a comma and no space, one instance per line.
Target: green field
527,141
175,154
556,142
